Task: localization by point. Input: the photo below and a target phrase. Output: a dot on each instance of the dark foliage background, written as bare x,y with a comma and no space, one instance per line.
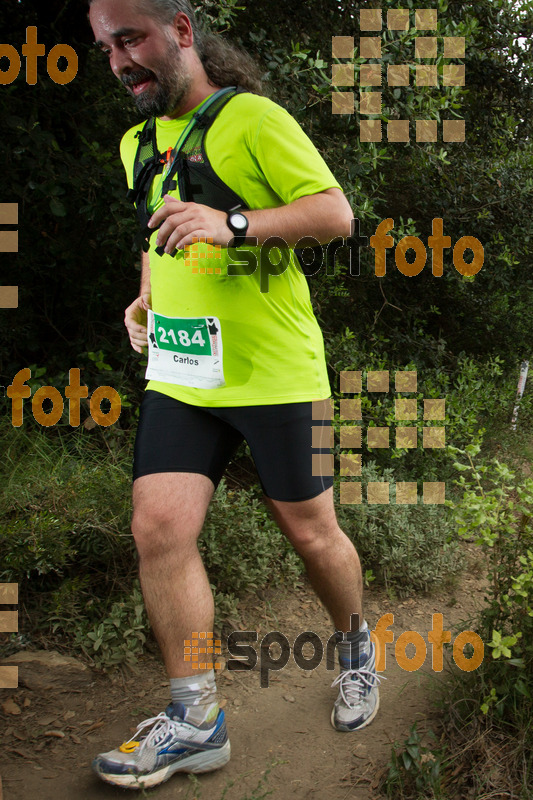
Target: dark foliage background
76,268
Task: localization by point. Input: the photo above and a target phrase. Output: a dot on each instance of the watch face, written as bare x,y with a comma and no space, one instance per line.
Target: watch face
239,221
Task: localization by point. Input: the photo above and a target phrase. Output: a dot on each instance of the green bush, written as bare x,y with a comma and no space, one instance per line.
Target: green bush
63,505
241,545
497,508
486,748
409,547
64,514
416,770
119,637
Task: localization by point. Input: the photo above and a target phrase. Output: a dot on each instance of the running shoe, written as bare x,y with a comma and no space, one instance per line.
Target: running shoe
358,700
164,745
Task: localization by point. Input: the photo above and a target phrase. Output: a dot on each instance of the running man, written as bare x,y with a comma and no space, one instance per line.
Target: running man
231,357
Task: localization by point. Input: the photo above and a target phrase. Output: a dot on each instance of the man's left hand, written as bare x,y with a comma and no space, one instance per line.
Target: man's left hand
181,221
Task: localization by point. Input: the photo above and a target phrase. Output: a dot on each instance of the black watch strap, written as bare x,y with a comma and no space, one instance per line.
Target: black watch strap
237,222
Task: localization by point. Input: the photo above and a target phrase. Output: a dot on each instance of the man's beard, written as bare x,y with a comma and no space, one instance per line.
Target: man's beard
169,86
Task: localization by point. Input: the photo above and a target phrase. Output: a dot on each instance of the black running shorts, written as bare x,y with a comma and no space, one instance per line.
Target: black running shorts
177,437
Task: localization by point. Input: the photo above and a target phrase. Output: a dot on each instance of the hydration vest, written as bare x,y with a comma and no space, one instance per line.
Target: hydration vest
196,179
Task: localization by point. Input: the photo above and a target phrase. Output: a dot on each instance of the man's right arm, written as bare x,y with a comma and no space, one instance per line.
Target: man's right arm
135,314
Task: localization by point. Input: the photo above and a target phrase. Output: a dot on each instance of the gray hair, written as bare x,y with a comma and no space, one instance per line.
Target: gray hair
166,10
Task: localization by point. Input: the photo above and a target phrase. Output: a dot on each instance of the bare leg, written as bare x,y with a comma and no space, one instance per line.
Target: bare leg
330,559
169,511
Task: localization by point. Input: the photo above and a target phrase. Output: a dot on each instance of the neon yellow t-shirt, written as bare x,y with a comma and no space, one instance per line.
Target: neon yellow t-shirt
273,351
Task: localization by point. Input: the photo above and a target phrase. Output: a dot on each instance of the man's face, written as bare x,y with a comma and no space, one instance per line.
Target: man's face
144,54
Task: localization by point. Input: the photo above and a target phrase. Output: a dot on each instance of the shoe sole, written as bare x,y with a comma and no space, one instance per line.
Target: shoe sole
206,761
359,727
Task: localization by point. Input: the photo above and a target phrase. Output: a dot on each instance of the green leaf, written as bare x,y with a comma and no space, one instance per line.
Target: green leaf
57,208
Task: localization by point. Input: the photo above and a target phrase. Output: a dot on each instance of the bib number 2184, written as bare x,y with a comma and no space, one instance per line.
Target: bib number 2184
185,350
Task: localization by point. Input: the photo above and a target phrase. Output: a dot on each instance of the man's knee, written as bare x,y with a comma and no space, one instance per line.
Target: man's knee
169,512
311,540
310,525
159,530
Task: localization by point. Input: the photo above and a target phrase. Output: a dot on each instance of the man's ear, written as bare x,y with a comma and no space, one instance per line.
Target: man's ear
182,26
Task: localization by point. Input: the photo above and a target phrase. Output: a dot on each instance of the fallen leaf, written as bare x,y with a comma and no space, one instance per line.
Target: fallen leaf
10,707
69,714
289,698
19,752
94,726
46,721
55,734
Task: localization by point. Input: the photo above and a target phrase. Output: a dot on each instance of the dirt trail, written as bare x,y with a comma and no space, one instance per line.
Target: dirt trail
280,735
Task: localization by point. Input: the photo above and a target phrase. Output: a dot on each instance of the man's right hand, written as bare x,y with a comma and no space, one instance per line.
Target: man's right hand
135,322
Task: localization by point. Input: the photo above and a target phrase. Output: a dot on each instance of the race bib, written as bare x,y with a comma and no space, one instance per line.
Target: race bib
185,350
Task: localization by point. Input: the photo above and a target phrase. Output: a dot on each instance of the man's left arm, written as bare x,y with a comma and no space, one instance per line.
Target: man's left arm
323,215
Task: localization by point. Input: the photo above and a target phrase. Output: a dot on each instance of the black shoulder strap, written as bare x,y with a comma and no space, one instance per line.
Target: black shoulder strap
196,133
146,158
149,162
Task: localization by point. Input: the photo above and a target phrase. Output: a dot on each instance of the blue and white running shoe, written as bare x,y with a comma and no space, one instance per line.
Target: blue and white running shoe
162,746
358,700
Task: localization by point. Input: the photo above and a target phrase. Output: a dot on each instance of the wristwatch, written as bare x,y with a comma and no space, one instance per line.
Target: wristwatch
238,225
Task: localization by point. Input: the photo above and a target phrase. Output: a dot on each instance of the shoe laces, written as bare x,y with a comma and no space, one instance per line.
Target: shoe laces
353,682
161,726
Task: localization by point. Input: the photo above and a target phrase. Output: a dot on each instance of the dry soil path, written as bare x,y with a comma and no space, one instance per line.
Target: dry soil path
281,737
